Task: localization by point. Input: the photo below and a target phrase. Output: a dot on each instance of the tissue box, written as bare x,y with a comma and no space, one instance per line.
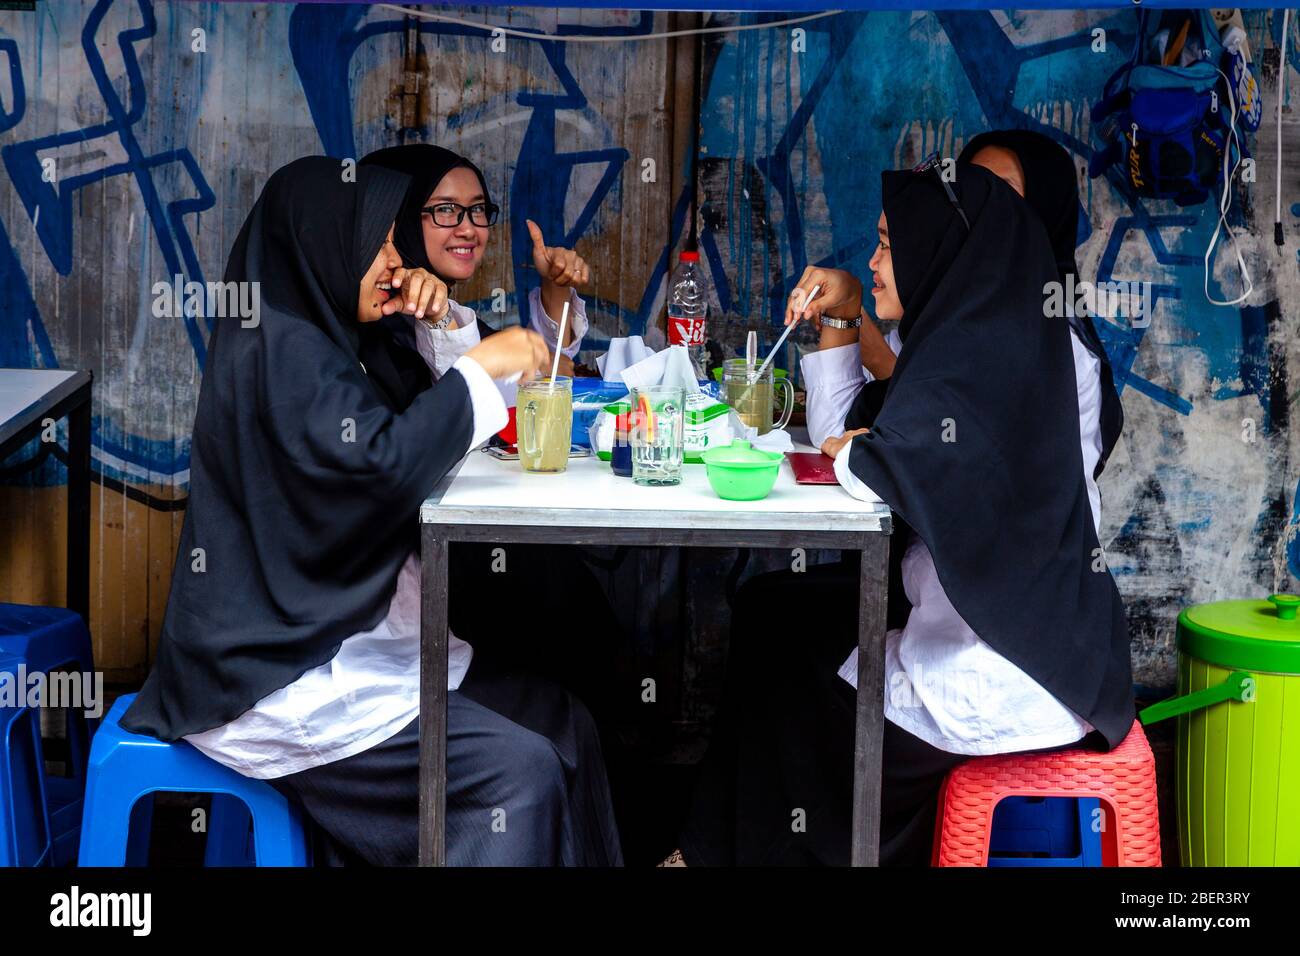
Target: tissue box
708,424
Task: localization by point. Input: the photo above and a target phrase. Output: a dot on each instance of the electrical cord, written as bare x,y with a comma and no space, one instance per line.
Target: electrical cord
631,38
1278,238
1225,203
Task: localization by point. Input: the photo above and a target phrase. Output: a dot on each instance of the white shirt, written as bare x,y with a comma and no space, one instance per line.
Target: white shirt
370,689
943,683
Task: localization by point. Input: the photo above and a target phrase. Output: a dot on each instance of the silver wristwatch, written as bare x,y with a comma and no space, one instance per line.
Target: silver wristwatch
831,322
445,322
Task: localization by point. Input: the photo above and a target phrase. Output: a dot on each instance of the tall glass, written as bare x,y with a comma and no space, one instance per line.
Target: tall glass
656,424
544,419
754,399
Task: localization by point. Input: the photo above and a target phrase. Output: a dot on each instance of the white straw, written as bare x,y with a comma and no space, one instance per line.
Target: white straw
784,335
559,343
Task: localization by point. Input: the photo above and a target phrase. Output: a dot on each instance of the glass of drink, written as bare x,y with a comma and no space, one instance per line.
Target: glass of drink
754,398
656,423
545,424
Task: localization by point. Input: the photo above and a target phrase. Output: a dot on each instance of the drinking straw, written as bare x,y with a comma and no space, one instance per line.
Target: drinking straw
781,341
751,350
559,343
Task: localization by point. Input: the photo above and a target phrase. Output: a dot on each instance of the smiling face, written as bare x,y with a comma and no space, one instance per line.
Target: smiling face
1004,164
376,284
888,305
455,251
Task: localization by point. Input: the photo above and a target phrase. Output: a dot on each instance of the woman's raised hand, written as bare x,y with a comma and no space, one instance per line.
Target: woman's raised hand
512,350
417,292
840,295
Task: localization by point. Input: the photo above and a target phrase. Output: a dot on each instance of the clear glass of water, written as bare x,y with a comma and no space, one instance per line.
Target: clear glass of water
655,428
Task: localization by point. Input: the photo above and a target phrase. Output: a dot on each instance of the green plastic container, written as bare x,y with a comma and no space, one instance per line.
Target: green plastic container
1238,709
741,472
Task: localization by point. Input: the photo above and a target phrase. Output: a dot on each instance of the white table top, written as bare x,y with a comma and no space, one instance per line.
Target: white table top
26,394
487,491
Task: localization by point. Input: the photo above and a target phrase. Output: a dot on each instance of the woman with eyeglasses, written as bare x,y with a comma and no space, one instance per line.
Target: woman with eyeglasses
442,233
982,436
443,229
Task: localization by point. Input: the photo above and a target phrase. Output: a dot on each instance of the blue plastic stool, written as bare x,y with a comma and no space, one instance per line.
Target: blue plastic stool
24,817
125,767
45,639
1058,831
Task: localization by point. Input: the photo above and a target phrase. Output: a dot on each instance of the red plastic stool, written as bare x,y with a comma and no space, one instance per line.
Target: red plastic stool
1124,780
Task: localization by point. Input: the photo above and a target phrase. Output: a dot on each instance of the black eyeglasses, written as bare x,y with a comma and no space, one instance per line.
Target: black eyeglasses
450,214
934,162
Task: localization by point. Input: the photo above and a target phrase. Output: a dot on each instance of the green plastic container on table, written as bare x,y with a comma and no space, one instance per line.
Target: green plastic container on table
741,472
1238,710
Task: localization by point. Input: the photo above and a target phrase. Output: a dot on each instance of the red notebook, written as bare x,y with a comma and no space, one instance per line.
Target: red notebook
812,468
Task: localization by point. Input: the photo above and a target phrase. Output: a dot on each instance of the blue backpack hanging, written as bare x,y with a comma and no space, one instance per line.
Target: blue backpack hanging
1168,125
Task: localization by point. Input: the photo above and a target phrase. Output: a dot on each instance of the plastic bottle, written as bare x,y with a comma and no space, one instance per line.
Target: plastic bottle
688,310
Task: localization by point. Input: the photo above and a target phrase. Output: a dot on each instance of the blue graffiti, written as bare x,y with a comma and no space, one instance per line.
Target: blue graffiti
322,42
51,209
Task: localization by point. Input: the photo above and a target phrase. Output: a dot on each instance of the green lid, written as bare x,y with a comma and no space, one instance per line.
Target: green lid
1256,635
740,454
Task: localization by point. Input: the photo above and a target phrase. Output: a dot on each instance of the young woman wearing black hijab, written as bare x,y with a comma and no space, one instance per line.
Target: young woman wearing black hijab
443,227
1015,639
290,645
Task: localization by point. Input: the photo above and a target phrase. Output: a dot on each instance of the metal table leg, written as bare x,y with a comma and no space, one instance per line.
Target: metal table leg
433,695
78,569
868,741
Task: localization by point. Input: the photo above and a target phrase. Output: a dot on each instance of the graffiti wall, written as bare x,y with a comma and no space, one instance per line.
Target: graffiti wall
134,137
1198,500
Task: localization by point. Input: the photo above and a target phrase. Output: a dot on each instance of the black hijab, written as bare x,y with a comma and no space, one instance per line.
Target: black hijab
976,445
305,475
1052,191
425,164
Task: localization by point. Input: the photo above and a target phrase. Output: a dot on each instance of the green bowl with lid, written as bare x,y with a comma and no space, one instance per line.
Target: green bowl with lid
741,472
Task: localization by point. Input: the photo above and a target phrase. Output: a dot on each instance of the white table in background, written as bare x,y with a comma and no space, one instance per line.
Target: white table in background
29,398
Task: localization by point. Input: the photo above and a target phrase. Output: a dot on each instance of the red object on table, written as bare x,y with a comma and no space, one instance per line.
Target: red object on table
509,434
812,468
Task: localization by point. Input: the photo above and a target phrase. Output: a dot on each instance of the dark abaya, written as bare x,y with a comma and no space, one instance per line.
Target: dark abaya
977,446
525,784
311,454
786,741
1051,190
316,439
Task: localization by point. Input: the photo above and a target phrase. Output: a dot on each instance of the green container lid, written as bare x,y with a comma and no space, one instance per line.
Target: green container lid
1250,635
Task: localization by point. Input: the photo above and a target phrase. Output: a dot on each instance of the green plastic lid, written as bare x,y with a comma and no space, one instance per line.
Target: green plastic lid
1254,635
740,454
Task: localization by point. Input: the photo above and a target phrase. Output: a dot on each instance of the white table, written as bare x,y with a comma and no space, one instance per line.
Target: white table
28,399
488,500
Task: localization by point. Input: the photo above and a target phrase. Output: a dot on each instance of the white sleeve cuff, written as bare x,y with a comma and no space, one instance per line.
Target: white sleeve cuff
848,480
489,408
839,365
832,379
549,328
894,341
